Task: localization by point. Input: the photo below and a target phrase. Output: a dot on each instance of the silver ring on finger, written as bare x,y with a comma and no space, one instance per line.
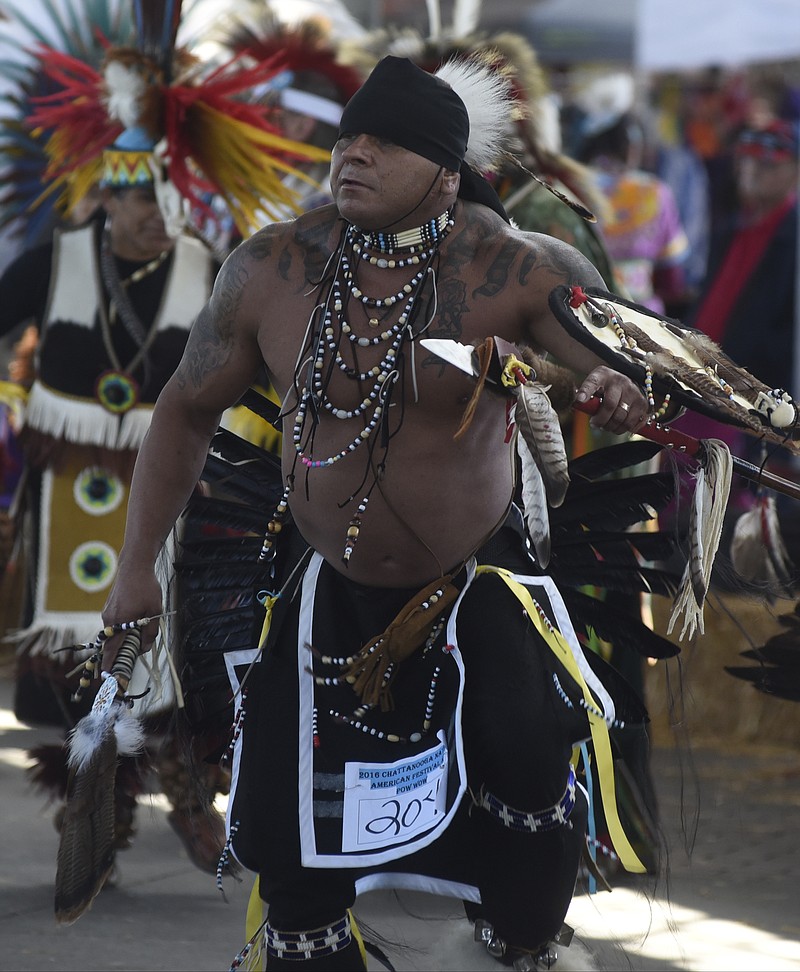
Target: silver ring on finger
625,406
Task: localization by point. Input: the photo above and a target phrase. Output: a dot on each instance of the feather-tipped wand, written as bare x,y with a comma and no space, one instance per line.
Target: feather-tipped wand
86,847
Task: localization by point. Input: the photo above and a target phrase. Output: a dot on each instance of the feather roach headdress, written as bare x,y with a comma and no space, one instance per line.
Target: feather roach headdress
155,113
314,81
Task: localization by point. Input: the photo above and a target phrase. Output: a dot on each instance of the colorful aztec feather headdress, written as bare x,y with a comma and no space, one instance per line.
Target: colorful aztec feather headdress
153,107
75,27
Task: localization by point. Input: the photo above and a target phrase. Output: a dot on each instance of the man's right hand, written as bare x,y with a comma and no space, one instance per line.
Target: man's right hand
136,594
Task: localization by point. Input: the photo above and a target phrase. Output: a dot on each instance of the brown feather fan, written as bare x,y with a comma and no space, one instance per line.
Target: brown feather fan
86,847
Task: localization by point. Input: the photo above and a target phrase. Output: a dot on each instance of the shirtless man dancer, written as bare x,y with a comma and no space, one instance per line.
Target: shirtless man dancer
334,304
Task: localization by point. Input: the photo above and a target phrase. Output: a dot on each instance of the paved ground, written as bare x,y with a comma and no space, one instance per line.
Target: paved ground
729,901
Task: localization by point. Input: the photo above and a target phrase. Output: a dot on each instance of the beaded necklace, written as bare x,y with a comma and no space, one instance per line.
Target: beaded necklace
116,389
418,248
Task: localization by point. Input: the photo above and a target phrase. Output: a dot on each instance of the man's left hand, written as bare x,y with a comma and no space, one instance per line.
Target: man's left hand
623,407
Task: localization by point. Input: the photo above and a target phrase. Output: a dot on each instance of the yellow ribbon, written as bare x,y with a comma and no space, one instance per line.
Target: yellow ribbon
600,737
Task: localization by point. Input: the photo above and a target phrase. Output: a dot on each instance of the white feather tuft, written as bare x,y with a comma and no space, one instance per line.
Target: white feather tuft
129,732
85,739
491,107
125,87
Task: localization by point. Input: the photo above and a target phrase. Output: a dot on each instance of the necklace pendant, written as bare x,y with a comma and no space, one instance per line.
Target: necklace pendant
374,322
116,391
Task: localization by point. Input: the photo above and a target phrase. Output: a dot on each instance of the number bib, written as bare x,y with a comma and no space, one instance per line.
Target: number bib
386,803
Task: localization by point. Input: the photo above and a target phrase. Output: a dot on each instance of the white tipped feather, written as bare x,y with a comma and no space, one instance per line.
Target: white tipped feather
129,732
706,519
534,503
490,104
758,553
125,87
540,427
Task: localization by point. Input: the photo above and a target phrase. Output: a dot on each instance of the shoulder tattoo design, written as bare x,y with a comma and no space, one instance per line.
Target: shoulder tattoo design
211,336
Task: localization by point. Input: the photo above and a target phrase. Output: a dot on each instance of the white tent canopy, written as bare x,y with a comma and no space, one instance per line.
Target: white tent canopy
657,35
686,34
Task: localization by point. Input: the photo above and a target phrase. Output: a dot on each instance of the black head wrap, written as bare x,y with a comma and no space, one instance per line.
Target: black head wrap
419,112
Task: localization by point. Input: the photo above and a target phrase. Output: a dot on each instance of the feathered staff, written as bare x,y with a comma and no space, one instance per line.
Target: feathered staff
86,847
679,363
687,367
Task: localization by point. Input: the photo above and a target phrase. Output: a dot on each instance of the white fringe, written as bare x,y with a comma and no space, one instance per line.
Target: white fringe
85,422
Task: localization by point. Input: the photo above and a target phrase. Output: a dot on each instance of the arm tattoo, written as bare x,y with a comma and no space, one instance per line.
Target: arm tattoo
260,246
211,337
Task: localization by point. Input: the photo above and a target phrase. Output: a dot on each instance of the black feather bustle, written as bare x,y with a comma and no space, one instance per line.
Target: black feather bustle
214,514
612,504
232,447
260,405
616,628
613,459
223,548
779,681
780,650
647,580
238,482
615,549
